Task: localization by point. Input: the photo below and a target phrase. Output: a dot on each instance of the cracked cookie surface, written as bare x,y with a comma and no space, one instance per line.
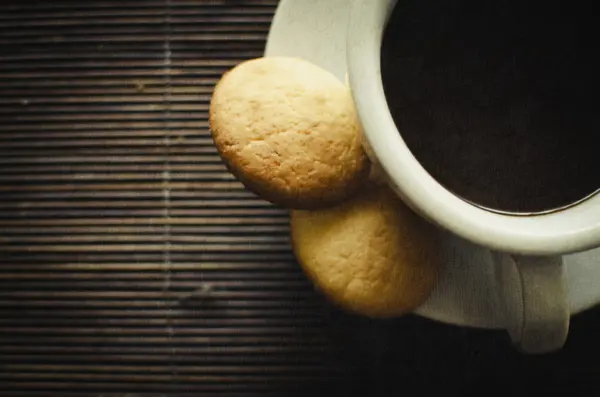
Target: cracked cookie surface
289,131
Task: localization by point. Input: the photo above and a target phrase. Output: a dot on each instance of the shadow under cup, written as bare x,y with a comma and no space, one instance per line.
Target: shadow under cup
495,101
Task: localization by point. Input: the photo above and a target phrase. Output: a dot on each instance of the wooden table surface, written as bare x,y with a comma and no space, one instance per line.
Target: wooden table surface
114,207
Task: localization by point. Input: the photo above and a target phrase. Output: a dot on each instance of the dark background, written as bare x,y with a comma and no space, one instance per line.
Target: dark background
114,205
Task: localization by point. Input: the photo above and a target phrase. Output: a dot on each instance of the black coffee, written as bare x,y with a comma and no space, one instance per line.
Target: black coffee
497,99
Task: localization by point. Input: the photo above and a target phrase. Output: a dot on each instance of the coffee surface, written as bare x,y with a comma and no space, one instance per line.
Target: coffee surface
496,99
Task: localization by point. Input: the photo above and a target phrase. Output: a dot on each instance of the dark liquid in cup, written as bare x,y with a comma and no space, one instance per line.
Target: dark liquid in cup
498,99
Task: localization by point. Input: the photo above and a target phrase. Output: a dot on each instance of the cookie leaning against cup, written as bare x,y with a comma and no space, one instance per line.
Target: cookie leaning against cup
370,255
289,131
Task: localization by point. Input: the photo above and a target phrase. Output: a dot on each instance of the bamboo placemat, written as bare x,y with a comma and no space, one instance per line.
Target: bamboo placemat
133,264
114,206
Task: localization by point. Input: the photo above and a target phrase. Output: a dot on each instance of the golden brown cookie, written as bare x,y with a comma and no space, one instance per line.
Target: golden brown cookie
371,255
289,131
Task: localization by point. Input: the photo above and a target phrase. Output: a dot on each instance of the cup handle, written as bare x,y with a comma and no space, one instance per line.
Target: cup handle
533,292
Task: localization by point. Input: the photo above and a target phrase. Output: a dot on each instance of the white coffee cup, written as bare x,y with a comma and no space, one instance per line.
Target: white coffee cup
530,272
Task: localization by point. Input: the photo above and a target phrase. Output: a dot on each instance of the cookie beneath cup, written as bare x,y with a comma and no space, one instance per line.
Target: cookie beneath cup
289,131
370,255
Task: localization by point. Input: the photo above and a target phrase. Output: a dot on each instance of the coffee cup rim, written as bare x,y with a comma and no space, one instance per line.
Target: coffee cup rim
573,229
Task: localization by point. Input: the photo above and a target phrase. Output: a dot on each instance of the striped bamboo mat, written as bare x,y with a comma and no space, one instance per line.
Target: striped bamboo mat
114,207
133,264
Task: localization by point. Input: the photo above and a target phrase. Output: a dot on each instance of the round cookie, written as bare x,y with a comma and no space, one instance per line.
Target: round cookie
370,255
289,131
